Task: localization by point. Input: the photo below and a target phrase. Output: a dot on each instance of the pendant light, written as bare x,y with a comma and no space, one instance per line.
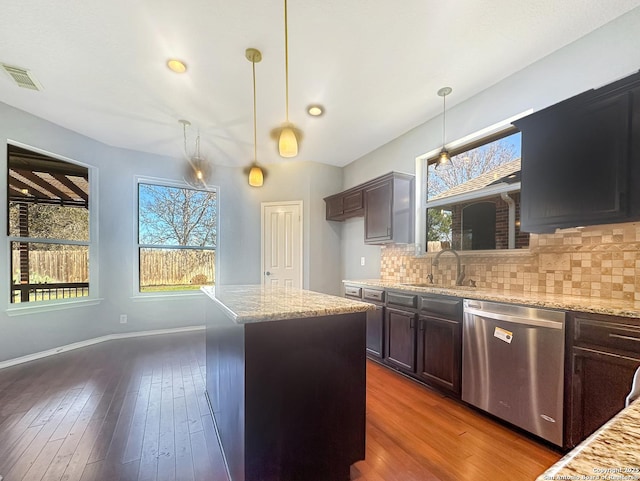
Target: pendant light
256,176
197,169
444,161
288,135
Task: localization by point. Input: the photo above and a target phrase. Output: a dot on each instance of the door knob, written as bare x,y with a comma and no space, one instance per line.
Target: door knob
267,273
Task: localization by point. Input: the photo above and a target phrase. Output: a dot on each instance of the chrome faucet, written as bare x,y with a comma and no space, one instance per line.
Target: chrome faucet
459,268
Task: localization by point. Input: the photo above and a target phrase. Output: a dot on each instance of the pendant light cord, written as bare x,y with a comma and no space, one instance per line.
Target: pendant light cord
255,141
444,118
184,137
286,61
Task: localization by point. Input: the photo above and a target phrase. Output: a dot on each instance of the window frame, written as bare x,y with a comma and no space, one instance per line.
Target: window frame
13,309
481,137
138,295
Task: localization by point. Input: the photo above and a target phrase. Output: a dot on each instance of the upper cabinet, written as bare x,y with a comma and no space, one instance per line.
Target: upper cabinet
386,203
580,158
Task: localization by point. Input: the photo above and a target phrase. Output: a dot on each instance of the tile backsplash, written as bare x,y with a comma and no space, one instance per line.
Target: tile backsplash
597,261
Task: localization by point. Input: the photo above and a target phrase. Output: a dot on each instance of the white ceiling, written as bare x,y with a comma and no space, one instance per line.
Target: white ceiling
375,65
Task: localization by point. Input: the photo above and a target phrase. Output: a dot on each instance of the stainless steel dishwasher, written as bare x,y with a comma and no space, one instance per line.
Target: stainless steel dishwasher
513,365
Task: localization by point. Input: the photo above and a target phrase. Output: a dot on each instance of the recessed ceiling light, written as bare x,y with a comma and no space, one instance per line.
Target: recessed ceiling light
177,66
315,110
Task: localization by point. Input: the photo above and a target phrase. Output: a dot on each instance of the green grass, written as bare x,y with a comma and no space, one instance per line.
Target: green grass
181,287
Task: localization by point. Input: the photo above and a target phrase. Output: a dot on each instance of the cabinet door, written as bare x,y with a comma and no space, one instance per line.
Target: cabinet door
575,160
440,352
375,330
601,382
353,201
401,339
335,207
377,212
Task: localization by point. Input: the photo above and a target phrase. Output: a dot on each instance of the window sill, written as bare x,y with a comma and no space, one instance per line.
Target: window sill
163,296
44,306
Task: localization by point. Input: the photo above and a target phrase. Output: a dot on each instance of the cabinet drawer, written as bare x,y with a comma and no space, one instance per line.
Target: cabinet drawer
450,308
353,291
373,295
402,300
615,335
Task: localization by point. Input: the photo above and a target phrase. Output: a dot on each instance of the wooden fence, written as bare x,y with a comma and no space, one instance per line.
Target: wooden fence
176,267
157,267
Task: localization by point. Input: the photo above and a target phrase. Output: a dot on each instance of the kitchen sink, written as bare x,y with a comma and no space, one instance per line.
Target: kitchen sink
440,286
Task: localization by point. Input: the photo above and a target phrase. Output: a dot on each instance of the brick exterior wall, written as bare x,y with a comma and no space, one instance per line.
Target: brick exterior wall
502,223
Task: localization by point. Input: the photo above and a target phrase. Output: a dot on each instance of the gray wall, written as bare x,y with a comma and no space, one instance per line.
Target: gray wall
239,240
599,58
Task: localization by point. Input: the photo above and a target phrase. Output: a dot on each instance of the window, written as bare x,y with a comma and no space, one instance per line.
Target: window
475,203
177,237
48,227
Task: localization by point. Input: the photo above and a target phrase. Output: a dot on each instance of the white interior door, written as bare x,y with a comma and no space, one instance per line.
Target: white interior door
282,243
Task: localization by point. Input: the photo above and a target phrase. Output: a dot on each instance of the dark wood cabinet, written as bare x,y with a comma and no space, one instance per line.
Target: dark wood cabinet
345,205
375,319
378,222
604,356
440,342
375,332
400,340
579,159
375,322
388,210
386,203
440,352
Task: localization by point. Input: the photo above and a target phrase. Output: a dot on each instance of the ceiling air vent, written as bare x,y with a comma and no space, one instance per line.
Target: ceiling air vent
23,78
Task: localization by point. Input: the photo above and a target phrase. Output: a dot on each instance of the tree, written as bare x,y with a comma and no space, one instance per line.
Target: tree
438,225
50,221
469,165
177,216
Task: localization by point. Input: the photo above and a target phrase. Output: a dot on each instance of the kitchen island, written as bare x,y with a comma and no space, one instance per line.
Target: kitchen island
611,453
286,381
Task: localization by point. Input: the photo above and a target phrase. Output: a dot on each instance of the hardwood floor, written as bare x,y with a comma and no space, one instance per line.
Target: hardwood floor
131,409
134,409
416,434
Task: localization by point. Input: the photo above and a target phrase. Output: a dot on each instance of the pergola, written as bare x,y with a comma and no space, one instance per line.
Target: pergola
35,178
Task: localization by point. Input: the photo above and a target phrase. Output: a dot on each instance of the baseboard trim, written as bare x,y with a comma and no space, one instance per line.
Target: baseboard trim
90,342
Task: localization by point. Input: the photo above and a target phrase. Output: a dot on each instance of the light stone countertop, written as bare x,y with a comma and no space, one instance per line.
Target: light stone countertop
614,307
611,453
256,303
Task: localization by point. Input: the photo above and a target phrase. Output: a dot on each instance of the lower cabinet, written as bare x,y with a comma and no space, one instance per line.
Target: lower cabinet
439,352
605,354
375,319
375,332
400,343
601,382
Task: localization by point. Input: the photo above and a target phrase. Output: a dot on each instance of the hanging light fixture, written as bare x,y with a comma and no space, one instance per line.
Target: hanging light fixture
288,134
197,169
256,176
444,159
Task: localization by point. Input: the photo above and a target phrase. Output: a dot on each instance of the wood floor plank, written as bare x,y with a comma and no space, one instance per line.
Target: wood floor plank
184,460
148,467
42,462
166,441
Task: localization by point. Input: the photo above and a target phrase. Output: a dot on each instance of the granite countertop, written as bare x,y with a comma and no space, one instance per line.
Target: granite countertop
614,307
611,453
256,303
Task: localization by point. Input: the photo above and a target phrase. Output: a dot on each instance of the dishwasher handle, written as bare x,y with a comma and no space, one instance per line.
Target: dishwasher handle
516,320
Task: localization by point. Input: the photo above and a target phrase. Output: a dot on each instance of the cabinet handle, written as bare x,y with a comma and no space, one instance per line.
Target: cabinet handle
421,325
412,323
388,230
626,338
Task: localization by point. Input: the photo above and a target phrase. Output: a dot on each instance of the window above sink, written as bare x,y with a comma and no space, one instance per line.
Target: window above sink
474,204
